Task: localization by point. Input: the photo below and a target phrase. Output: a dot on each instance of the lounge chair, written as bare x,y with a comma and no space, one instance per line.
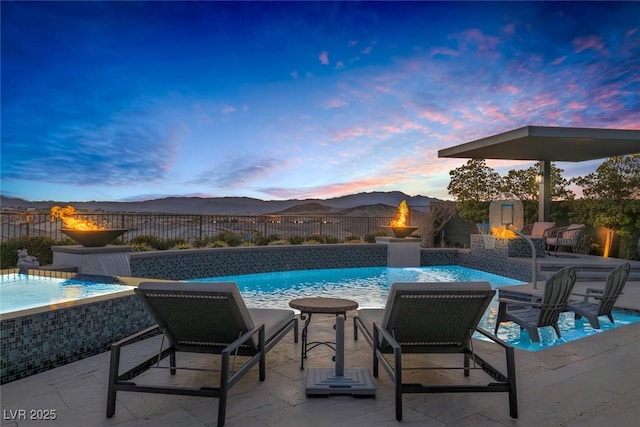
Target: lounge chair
563,237
607,297
434,318
538,229
536,312
201,318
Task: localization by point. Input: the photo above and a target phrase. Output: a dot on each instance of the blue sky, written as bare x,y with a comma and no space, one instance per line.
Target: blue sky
125,101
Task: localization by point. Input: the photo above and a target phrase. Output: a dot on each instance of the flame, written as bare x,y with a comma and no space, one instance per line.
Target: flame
503,232
402,215
69,221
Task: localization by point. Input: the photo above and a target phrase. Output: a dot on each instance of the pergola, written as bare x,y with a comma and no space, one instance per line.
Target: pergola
548,144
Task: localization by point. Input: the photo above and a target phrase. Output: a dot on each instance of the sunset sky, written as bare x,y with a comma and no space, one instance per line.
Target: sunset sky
127,101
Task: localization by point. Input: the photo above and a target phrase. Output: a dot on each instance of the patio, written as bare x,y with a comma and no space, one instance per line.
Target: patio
588,382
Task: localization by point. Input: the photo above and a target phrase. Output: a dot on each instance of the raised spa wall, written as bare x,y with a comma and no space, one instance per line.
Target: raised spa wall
36,342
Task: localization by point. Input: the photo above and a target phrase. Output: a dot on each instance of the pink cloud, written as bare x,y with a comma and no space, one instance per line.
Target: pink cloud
509,29
335,103
352,132
575,105
228,109
559,60
483,41
589,42
324,57
435,116
367,50
446,51
335,189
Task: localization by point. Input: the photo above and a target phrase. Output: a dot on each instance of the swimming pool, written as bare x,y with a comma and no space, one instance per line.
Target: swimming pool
24,291
370,286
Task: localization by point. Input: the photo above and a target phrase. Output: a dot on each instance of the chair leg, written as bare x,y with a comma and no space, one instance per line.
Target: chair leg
113,376
397,355
355,330
172,362
557,329
466,365
376,339
533,334
511,374
224,388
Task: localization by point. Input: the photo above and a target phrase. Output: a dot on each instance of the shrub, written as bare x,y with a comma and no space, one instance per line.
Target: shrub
141,247
371,237
322,238
278,242
231,239
217,244
352,238
146,239
296,240
183,245
37,246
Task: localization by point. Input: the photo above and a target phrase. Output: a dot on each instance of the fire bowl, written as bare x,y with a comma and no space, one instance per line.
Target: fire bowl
94,238
402,231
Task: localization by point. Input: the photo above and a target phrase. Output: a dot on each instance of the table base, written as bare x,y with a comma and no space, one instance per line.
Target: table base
355,381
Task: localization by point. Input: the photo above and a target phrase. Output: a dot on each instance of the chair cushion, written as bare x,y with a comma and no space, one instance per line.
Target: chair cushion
370,315
539,228
274,319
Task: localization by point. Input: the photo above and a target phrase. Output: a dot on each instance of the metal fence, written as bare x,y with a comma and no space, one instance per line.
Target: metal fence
192,227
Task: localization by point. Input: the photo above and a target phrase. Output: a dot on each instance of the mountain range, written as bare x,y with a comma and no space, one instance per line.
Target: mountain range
353,204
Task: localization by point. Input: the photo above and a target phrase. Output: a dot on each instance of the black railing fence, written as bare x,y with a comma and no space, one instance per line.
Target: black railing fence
192,227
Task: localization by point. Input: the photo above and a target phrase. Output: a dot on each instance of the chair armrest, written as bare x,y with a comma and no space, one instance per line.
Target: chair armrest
387,336
244,338
553,231
519,302
138,336
492,337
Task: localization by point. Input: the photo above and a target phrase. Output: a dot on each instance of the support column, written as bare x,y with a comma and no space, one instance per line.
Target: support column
544,192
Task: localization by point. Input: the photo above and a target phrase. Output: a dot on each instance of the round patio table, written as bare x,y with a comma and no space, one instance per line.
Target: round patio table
307,307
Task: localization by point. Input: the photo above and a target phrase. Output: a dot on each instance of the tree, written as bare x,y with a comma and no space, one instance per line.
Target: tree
522,183
474,185
436,217
611,198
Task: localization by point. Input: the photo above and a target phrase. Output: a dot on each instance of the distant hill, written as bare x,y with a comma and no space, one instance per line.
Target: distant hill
356,203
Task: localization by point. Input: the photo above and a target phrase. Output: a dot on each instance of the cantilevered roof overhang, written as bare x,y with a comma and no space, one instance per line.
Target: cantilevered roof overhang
556,144
549,144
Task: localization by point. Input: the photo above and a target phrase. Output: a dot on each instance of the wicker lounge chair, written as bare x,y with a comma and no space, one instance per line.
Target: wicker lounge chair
536,313
201,318
434,318
607,297
563,237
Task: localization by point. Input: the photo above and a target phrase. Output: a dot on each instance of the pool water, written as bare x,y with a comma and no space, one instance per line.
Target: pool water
369,286
23,291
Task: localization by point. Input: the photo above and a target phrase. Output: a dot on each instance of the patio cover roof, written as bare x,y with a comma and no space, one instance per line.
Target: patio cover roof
559,144
549,144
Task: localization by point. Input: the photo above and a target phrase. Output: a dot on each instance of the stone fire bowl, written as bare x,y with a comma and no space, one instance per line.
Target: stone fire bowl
94,238
402,231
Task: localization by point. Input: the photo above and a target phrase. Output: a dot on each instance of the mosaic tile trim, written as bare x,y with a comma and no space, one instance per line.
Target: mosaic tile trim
43,341
197,263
